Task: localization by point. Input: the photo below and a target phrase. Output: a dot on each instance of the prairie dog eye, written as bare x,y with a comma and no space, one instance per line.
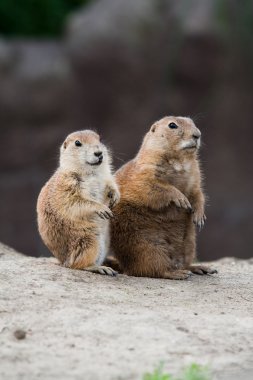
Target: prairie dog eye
173,125
78,143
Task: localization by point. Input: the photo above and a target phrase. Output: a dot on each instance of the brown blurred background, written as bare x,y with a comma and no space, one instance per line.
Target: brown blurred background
117,66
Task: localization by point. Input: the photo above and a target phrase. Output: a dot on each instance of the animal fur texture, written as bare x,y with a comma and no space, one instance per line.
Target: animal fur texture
74,206
153,229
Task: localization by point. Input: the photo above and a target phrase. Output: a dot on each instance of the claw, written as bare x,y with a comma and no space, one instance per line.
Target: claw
106,215
200,222
112,203
102,270
183,204
202,269
101,215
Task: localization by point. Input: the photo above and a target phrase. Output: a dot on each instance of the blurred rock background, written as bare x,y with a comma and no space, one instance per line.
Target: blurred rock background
117,66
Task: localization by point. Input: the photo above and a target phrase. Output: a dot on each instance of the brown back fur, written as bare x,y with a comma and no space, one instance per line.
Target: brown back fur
73,206
152,231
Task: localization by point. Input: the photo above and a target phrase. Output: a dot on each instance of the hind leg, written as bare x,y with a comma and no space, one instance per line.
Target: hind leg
84,257
190,253
179,274
189,245
151,258
114,263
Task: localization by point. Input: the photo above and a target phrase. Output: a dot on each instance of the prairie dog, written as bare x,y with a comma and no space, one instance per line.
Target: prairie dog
74,206
153,231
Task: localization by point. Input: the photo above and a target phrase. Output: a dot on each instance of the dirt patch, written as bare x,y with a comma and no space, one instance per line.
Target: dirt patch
79,325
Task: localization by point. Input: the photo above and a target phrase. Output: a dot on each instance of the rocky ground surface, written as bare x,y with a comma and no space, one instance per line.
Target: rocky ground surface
78,325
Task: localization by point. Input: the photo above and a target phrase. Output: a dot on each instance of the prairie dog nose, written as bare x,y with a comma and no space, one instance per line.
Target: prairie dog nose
98,153
196,134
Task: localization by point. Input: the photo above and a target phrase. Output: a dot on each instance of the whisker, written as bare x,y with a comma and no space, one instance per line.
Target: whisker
199,116
119,158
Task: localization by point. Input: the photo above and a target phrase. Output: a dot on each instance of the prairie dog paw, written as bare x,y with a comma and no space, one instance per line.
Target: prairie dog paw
101,269
182,202
179,274
104,213
114,197
202,269
199,219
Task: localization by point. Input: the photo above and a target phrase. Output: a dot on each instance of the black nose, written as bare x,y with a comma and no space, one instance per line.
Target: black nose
98,154
196,136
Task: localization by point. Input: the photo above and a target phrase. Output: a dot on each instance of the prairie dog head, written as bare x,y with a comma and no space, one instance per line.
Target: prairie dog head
174,135
83,151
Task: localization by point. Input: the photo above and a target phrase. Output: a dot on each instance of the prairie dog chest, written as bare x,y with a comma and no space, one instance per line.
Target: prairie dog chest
183,174
94,187
181,167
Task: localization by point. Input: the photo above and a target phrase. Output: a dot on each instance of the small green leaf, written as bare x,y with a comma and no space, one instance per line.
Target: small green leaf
192,372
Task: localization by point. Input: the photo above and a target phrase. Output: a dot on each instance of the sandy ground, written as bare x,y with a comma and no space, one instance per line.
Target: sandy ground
85,326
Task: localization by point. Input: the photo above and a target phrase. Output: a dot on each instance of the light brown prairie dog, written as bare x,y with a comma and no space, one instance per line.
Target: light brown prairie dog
153,229
74,206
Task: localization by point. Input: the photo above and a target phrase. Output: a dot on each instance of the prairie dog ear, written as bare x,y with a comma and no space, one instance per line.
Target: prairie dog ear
98,136
65,144
153,128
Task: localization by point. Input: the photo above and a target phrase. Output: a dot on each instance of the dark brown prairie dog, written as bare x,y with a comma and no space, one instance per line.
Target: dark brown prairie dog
74,206
153,229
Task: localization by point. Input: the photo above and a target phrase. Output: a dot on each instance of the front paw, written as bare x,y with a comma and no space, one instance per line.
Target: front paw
182,202
104,213
199,219
114,197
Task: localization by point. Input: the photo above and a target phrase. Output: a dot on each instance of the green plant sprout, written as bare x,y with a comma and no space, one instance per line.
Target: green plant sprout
192,372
